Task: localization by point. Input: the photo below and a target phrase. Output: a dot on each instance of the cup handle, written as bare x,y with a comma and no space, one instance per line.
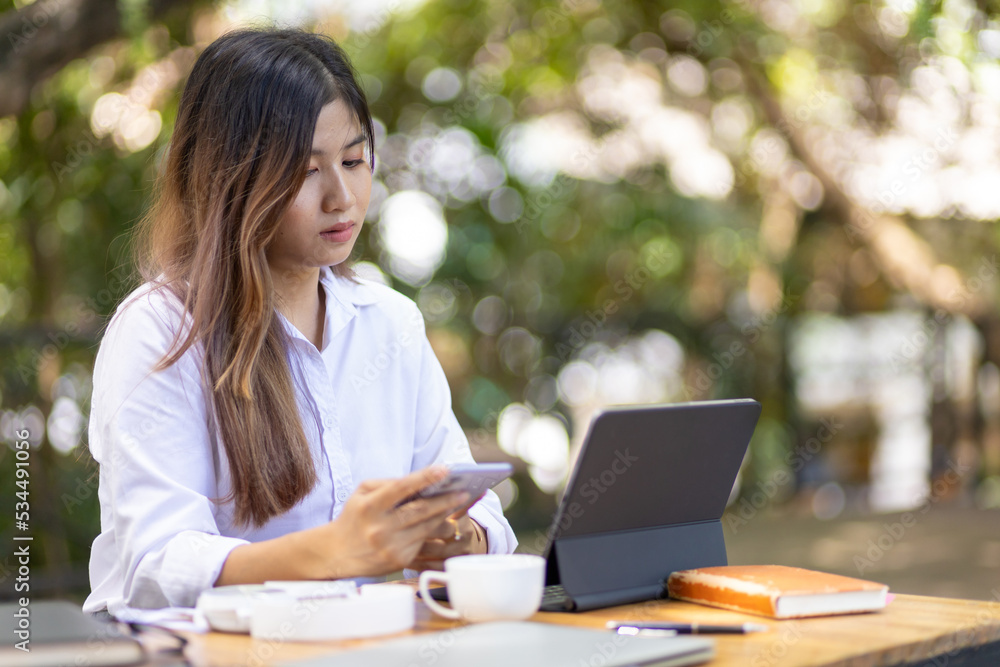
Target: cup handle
432,575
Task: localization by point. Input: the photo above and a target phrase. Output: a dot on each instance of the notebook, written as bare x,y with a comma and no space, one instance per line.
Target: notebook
777,591
58,633
506,643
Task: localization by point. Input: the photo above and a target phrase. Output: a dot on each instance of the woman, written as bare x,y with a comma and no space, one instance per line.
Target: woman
241,433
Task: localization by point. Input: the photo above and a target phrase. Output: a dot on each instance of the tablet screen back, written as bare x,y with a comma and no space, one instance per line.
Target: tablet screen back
648,466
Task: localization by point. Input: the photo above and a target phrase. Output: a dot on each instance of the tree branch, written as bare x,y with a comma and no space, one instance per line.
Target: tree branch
907,260
42,38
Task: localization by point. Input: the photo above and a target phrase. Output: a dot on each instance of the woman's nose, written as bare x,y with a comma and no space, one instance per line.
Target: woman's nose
337,193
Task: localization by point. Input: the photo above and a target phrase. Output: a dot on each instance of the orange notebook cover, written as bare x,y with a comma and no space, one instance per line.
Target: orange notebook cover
776,590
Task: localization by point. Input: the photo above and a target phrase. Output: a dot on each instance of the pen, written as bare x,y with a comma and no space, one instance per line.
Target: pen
664,628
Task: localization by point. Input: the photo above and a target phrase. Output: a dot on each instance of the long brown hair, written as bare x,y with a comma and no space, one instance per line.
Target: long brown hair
237,158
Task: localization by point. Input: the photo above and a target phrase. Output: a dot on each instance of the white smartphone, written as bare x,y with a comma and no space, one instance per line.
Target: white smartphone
473,478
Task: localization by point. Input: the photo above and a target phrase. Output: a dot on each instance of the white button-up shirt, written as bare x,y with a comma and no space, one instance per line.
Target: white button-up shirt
374,403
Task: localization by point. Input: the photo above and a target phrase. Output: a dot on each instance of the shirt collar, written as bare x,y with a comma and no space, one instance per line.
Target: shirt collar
348,292
343,296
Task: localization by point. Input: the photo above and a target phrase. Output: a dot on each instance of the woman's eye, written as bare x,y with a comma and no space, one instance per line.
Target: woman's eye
311,171
350,164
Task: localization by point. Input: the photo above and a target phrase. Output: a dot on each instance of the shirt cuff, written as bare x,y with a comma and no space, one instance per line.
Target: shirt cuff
487,513
176,574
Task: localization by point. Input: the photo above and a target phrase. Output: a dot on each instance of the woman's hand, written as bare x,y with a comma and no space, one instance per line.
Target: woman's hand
374,535
458,536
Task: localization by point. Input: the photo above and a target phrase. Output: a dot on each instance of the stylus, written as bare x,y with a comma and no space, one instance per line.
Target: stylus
635,628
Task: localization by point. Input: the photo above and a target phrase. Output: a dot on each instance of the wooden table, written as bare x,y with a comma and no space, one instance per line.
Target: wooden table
912,630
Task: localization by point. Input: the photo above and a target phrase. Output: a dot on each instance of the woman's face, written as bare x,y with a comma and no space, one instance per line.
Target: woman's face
324,220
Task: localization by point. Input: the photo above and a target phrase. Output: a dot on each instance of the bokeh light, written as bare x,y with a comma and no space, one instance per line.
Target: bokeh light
413,231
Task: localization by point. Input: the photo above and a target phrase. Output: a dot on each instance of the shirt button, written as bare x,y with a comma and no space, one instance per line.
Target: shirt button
341,496
328,421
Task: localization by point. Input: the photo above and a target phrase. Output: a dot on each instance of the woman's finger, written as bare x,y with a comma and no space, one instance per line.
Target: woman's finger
434,550
391,495
446,530
430,511
464,510
370,485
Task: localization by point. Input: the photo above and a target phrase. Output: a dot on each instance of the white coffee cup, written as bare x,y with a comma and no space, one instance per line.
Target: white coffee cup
488,587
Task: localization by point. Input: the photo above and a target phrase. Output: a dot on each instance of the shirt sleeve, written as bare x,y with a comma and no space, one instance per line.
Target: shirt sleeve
150,435
440,439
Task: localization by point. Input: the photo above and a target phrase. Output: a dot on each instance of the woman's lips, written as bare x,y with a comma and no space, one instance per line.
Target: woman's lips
338,233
